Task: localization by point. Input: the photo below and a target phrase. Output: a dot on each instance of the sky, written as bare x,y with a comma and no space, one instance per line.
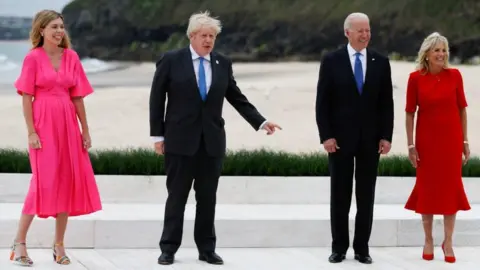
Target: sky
28,8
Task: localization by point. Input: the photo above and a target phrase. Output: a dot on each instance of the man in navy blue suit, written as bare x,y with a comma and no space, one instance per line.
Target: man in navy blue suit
354,113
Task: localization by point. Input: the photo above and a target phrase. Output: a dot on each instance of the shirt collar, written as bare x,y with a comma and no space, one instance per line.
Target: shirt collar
352,52
196,56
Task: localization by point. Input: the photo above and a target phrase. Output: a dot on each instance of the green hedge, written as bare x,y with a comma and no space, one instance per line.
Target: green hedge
239,163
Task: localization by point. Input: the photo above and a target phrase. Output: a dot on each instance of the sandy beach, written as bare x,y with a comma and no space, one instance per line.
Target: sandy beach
283,92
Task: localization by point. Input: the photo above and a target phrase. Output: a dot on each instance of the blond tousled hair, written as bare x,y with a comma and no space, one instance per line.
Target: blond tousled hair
428,44
40,21
203,19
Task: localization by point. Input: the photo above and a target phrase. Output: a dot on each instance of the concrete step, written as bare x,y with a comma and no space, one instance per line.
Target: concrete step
240,225
232,189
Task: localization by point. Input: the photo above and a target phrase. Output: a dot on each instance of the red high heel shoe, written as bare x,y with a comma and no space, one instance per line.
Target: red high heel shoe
449,259
427,257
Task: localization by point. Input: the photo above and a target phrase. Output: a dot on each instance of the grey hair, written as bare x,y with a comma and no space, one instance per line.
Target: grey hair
356,15
203,19
429,43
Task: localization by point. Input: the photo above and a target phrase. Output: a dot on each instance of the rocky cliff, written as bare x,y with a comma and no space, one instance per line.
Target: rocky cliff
264,30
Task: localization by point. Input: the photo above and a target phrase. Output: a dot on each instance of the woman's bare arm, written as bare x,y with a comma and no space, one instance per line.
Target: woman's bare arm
409,120
463,117
81,113
27,103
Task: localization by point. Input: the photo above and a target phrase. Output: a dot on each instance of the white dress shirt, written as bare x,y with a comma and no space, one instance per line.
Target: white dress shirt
206,64
208,75
363,58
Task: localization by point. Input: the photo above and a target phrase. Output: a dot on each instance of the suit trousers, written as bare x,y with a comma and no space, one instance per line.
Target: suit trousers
342,164
204,172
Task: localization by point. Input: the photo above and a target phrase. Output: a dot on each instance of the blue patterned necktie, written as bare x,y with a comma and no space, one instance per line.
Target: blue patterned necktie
202,82
358,73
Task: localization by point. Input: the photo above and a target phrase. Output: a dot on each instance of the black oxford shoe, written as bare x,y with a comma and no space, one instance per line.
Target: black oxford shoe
366,259
166,258
210,257
336,257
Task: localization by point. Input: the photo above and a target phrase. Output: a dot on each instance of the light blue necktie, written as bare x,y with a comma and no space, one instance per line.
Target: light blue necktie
358,70
202,82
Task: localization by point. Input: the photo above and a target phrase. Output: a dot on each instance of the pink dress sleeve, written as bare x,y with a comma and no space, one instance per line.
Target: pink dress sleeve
82,87
461,100
26,81
411,99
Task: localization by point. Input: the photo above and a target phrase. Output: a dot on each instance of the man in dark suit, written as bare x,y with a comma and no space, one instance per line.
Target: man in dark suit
354,112
191,132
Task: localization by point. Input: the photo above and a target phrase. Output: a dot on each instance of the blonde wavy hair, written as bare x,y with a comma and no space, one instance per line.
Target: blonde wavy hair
428,44
40,21
203,19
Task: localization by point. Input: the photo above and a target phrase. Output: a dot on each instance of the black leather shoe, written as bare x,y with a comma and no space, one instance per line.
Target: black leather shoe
366,259
166,258
336,257
210,257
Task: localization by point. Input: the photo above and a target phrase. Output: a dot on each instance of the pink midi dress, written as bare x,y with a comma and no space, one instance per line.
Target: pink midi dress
62,180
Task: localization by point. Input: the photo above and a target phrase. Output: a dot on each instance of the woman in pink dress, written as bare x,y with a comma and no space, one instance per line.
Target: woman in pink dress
53,84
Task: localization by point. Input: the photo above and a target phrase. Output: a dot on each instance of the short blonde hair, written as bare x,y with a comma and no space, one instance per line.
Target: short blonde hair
203,19
429,43
40,21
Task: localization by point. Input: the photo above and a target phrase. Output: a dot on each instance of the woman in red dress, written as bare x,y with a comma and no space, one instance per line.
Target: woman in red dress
436,93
